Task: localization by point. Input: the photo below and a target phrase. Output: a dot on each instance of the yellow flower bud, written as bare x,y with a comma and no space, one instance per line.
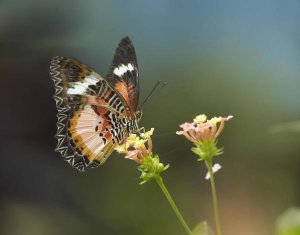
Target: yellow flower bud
200,119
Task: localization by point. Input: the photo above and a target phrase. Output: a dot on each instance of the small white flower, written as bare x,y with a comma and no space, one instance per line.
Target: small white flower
216,167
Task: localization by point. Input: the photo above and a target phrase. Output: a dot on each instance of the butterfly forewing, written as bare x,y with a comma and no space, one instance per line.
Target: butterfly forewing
123,73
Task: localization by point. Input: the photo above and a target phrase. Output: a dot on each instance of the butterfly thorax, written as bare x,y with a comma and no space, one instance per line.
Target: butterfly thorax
132,125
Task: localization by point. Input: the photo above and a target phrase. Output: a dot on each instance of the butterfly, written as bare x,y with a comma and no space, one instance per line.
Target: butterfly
94,113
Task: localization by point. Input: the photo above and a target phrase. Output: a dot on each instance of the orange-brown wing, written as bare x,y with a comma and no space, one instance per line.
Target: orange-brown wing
92,117
123,73
93,133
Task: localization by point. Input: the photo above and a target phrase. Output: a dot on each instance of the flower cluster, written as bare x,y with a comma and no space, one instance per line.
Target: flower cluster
203,133
139,149
202,129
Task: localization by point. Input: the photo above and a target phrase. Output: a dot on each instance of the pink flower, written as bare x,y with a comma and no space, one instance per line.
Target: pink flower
202,129
135,155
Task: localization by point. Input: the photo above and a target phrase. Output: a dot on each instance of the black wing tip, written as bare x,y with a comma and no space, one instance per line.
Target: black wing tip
125,41
124,54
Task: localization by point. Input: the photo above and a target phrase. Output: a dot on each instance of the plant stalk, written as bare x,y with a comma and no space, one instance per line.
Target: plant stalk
215,199
159,181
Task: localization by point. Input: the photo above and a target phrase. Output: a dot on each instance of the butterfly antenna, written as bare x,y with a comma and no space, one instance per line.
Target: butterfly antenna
160,88
152,92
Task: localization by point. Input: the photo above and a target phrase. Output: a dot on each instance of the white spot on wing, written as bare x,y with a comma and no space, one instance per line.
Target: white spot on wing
123,69
79,88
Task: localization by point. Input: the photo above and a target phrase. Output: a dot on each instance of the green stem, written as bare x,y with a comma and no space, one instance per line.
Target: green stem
159,181
214,195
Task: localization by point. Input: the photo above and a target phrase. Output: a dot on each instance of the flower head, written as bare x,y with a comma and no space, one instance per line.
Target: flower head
203,133
139,149
202,129
136,147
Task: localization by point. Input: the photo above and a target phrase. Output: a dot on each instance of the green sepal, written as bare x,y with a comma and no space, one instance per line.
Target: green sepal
151,167
207,149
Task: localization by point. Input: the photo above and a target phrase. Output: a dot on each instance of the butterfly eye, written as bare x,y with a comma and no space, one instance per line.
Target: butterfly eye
138,115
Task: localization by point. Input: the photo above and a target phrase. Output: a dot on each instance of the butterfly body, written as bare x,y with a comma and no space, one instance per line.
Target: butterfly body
95,114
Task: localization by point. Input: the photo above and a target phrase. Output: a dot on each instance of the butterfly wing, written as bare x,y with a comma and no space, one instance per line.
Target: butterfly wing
123,73
91,115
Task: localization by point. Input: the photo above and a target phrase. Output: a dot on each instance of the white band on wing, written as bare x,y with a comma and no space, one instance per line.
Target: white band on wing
79,88
123,69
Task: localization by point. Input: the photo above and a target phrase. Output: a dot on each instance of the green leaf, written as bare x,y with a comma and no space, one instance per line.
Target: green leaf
288,223
202,229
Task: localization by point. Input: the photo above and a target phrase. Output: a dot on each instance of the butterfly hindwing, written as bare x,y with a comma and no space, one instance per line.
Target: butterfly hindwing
91,115
94,133
123,73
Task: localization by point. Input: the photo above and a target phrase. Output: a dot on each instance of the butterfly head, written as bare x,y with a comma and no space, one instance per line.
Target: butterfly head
138,115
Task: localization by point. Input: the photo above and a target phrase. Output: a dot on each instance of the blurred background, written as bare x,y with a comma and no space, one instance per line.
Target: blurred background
217,57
